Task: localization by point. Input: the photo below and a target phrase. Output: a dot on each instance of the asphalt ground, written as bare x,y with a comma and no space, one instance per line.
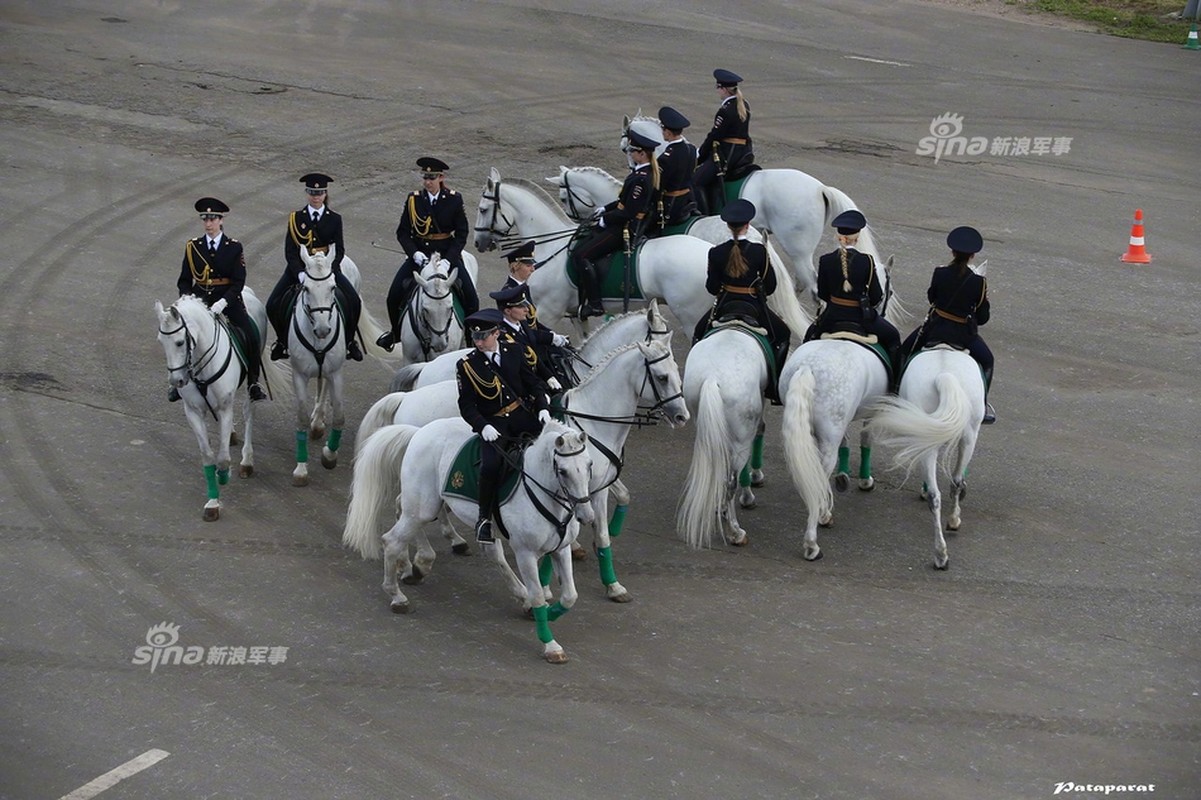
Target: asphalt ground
1060,648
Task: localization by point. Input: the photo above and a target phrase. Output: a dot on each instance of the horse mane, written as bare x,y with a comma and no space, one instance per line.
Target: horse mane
596,171
600,365
639,312
191,304
536,188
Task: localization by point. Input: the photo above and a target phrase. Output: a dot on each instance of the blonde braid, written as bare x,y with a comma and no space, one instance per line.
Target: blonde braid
736,265
740,103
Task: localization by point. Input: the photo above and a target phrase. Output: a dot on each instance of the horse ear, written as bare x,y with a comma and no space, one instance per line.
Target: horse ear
583,438
625,123
158,308
333,252
559,441
493,176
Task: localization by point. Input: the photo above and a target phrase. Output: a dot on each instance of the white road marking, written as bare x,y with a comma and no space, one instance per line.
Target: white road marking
114,776
878,61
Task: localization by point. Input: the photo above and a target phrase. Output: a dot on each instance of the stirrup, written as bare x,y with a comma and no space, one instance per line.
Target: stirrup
353,352
483,532
279,350
990,414
256,392
590,310
386,340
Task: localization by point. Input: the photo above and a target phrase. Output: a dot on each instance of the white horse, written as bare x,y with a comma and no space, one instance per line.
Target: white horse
429,326
794,207
671,268
582,189
939,409
635,326
541,516
826,385
202,366
605,405
724,381
317,342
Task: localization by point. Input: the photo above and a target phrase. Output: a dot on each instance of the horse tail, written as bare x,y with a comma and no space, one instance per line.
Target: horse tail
406,377
374,488
784,301
900,423
800,446
709,472
278,375
379,415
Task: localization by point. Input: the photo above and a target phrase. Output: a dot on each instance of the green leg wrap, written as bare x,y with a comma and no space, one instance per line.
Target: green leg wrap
744,477
223,476
546,568
302,447
618,521
757,452
865,463
210,477
604,557
844,459
555,611
540,616
925,488
334,440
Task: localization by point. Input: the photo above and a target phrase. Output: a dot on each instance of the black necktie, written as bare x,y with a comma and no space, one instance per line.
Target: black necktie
316,217
212,248
496,359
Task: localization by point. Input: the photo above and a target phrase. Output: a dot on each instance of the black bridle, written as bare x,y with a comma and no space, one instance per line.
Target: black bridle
195,366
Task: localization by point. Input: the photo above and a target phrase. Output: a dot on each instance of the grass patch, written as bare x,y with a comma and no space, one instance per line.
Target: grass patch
1132,19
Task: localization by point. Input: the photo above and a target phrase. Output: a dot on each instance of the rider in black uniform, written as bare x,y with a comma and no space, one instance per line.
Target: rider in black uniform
214,269
677,163
958,306
727,151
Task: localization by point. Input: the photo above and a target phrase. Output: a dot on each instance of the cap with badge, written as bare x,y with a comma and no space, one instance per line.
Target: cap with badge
849,222
639,142
965,239
510,296
431,167
316,182
523,252
211,207
483,322
738,212
726,79
672,120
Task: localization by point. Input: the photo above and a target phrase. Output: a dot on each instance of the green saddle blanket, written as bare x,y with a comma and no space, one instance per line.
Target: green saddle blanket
613,286
463,480
734,187
235,336
769,353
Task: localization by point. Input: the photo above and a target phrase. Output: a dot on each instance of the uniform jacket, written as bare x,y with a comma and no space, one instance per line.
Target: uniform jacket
726,125
211,279
302,233
634,201
861,274
535,344
965,298
676,164
420,219
760,278
485,390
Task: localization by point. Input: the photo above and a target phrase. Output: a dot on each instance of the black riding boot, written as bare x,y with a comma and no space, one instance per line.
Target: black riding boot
990,416
590,283
483,526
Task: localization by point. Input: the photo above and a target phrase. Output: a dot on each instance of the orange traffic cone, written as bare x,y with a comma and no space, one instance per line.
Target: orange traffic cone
1137,253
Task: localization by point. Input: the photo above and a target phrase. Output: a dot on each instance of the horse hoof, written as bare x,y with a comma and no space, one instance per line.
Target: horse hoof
624,597
300,480
867,484
556,658
942,563
814,554
329,463
316,435
578,553
413,578
953,525
743,541
826,521
758,479
842,482
212,514
246,471
400,607
461,549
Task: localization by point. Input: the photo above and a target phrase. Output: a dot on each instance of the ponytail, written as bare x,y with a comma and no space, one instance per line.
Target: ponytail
740,103
960,262
736,265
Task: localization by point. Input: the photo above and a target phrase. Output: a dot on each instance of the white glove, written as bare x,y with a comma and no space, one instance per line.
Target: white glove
302,277
419,258
219,306
490,434
544,415
560,340
601,222
554,384
598,212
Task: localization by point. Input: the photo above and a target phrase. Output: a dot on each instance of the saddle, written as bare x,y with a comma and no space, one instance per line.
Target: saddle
742,313
613,285
851,332
463,480
238,339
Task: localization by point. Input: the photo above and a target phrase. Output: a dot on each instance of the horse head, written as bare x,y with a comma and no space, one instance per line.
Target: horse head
488,215
184,328
434,303
662,379
317,297
577,190
572,468
648,127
